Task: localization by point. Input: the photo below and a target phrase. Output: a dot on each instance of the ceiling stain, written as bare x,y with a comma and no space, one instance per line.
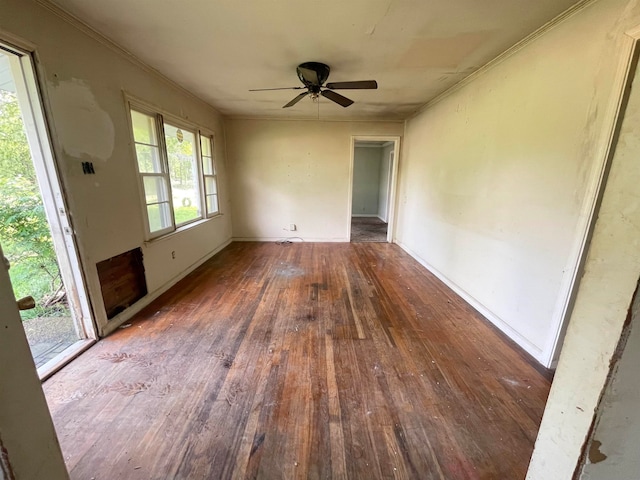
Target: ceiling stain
445,52
405,45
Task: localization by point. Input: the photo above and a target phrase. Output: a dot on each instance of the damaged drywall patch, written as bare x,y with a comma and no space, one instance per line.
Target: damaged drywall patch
595,455
82,127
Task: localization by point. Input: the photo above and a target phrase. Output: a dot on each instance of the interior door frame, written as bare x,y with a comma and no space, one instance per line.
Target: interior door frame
392,163
391,207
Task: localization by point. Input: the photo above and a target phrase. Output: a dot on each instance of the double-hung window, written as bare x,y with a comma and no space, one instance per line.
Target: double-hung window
184,176
177,172
210,176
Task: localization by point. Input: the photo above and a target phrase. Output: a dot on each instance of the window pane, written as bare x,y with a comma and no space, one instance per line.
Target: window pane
207,165
183,172
155,190
210,185
159,216
148,159
144,128
212,203
205,146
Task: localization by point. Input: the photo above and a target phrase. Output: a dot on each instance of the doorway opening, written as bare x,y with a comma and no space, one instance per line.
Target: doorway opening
34,231
372,189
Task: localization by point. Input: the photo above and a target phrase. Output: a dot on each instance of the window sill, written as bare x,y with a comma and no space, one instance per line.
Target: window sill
182,228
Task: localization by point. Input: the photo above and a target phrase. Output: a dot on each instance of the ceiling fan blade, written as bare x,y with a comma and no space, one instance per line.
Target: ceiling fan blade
296,100
336,97
267,89
357,85
309,75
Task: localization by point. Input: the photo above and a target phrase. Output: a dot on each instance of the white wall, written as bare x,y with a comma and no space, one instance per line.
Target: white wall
496,185
284,172
612,266
385,173
366,180
495,179
84,82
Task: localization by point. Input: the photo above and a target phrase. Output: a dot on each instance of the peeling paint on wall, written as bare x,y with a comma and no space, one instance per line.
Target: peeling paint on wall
83,128
595,455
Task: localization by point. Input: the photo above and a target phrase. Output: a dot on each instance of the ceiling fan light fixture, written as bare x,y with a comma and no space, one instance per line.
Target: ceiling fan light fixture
313,76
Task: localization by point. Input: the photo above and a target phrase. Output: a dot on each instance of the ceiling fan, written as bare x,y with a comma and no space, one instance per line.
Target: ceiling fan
313,75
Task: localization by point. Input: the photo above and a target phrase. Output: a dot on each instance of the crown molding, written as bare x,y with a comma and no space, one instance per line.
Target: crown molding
308,119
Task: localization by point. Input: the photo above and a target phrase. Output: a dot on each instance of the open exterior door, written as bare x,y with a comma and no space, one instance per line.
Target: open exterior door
28,444
60,333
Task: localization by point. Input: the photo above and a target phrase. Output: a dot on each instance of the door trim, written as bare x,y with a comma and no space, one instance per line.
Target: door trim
29,93
391,208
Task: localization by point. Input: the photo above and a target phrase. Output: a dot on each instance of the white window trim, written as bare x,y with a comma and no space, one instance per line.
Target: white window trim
212,145
162,117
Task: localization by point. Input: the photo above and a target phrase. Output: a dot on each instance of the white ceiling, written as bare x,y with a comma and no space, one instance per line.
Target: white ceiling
219,49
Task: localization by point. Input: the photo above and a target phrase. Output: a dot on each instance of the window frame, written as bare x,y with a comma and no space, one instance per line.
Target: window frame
214,175
173,122
159,119
164,173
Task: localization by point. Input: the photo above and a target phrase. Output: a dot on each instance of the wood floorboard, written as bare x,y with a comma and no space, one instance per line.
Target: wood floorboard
316,361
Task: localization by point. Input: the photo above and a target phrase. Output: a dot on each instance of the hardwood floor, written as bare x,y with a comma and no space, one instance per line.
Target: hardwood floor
301,361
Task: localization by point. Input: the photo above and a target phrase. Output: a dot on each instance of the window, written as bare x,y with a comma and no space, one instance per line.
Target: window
183,174
177,172
152,171
209,172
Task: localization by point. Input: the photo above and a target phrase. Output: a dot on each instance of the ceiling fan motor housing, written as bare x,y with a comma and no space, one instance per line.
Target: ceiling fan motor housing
313,75
306,73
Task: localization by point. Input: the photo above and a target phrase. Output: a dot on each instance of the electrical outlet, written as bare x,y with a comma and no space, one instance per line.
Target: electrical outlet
292,227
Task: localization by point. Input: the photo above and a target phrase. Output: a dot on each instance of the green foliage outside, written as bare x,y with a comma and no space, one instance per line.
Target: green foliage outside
183,171
24,232
182,214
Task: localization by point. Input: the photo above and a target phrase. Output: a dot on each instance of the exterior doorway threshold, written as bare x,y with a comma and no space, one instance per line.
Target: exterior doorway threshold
63,358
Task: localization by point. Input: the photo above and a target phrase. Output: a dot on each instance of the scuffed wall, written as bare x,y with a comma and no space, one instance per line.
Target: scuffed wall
84,81
83,128
497,178
284,172
497,183
612,265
